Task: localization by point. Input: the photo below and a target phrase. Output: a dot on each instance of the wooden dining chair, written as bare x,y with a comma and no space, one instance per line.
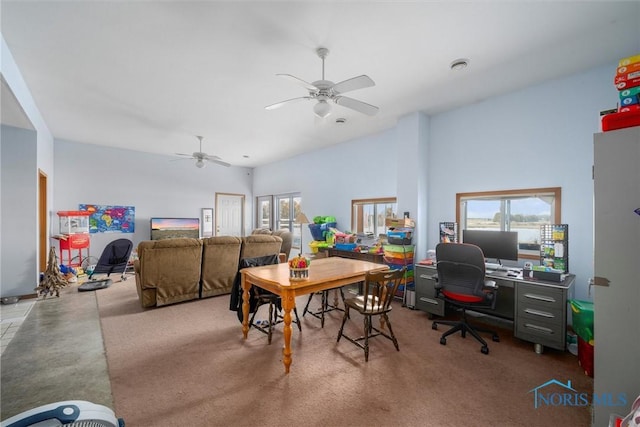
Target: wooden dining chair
379,290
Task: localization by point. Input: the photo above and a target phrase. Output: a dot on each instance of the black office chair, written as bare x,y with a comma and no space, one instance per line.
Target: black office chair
378,291
461,282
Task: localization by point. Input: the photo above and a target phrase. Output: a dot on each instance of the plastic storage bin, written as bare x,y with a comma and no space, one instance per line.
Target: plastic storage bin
582,316
585,356
318,230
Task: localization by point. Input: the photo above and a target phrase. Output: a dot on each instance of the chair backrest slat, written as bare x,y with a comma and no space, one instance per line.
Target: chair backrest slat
380,288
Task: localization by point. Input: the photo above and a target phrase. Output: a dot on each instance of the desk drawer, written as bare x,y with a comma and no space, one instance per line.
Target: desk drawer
549,334
535,314
550,300
426,293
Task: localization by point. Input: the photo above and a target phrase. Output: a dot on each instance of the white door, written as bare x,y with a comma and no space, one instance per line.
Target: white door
229,214
617,257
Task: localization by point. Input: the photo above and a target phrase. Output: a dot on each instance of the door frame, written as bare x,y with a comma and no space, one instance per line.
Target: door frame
242,198
43,239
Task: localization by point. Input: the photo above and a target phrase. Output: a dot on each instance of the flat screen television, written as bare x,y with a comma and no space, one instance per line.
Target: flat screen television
170,228
499,245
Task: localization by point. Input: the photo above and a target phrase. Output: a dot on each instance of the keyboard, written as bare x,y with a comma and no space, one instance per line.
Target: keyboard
498,273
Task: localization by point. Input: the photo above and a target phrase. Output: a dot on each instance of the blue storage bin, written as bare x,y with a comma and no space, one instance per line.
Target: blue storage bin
318,231
345,246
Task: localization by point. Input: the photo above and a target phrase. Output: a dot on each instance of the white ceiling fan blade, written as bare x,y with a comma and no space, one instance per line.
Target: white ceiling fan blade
354,104
304,84
280,104
183,155
355,83
218,162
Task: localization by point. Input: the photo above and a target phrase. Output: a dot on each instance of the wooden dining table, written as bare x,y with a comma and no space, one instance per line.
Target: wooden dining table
324,273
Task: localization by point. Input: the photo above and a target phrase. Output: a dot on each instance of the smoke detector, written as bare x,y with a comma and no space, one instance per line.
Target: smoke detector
459,64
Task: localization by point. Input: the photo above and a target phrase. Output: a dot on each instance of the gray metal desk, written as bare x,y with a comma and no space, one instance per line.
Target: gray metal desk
537,308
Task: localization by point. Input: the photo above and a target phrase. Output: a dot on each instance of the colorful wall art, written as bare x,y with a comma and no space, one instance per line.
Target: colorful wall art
110,219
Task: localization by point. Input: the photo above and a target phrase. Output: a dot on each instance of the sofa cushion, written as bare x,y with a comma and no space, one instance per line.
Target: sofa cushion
261,231
257,245
170,269
220,255
287,240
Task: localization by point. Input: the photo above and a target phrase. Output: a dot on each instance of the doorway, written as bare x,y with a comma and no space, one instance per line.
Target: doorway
42,221
229,214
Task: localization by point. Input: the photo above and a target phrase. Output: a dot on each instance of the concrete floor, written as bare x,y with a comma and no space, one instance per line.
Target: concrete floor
55,353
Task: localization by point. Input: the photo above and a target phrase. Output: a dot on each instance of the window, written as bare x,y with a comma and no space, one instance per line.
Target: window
264,214
287,207
368,215
523,211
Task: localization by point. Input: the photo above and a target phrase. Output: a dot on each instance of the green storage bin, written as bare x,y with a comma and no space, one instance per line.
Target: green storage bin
582,315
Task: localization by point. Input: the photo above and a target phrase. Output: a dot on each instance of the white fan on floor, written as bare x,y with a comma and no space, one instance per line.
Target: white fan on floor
324,91
201,157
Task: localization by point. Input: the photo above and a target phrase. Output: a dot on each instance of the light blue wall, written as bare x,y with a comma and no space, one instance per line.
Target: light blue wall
541,136
18,185
21,172
328,179
156,185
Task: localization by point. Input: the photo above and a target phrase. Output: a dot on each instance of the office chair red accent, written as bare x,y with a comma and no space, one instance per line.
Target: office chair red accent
461,282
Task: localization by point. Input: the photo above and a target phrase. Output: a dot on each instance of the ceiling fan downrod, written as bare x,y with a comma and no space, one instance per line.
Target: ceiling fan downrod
322,53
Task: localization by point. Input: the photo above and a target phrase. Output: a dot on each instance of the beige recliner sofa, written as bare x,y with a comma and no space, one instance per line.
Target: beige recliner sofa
175,270
284,233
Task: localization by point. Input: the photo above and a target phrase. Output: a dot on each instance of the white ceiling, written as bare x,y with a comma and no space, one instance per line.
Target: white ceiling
150,75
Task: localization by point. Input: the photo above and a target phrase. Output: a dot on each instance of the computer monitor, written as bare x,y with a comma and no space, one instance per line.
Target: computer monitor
499,245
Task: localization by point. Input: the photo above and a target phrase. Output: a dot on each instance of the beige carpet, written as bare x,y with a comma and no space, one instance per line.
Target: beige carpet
187,365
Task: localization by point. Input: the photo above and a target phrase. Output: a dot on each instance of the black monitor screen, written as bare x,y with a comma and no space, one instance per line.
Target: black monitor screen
494,244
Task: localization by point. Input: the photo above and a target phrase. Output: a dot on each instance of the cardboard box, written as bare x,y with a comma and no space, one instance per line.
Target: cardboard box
621,120
626,108
622,84
627,69
399,222
629,60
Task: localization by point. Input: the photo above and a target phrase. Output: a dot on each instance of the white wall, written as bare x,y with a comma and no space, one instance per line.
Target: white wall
18,185
538,137
23,173
329,178
154,184
541,136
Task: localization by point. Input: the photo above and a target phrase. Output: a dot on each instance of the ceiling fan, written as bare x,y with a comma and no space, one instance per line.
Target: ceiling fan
325,90
202,157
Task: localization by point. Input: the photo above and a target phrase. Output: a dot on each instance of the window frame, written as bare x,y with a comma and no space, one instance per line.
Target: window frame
357,216
502,195
259,201
295,207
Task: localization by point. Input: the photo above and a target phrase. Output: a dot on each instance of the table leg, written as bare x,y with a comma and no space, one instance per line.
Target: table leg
288,304
246,287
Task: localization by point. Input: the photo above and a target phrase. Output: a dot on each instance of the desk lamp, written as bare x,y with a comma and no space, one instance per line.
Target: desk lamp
301,218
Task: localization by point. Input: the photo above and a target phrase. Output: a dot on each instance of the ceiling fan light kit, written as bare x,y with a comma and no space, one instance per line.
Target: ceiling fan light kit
325,90
322,109
200,157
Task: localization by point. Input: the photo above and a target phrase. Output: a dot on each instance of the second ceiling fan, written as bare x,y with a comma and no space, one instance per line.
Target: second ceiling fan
324,91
